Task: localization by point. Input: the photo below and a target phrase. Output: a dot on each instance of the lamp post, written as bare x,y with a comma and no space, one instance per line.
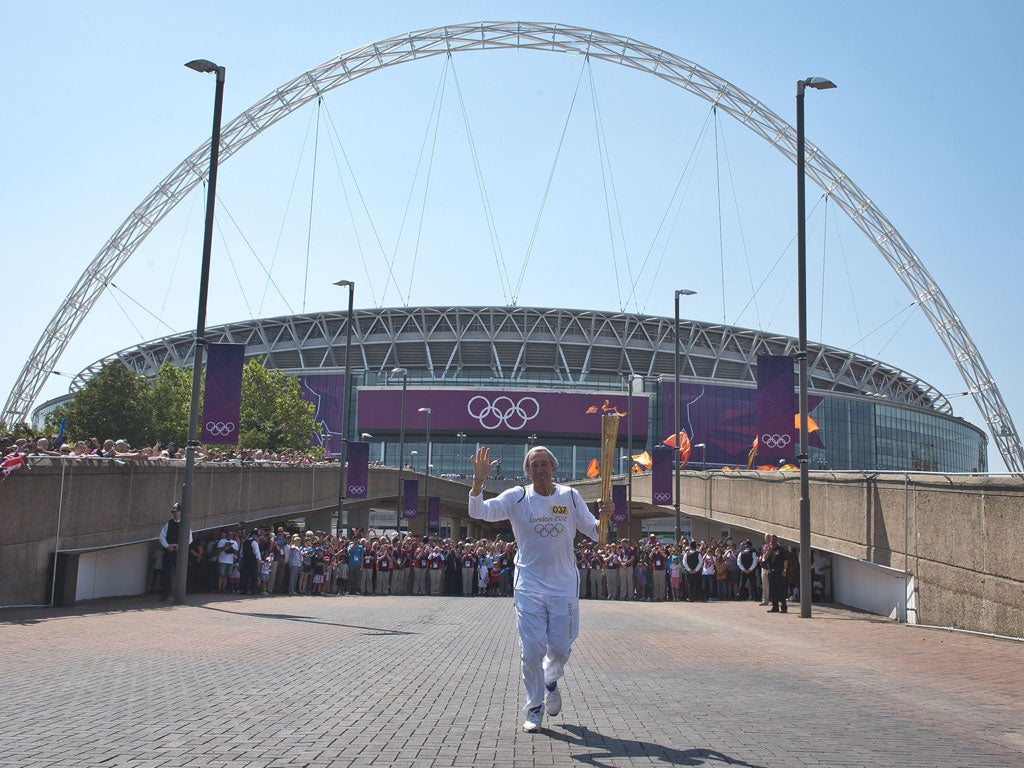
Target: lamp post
346,412
462,439
632,382
819,83
426,477
675,403
703,456
188,481
401,445
412,459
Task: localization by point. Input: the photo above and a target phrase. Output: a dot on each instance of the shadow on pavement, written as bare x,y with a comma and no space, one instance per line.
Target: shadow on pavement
370,631
610,748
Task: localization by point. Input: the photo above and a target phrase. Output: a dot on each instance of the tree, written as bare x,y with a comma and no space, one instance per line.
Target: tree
170,399
113,404
274,415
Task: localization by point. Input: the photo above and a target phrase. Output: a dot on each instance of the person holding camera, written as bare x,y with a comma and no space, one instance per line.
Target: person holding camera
227,550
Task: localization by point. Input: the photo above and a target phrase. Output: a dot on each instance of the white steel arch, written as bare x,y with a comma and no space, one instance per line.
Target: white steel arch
543,37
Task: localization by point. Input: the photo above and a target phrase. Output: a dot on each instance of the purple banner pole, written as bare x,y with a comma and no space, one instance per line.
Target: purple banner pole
621,514
434,513
410,498
776,406
661,475
222,401
358,474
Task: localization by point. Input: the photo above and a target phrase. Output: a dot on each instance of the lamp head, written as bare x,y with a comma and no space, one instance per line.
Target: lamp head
202,65
345,284
424,410
398,372
685,292
821,83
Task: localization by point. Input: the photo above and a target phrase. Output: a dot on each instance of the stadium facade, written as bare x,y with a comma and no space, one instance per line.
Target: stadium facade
510,377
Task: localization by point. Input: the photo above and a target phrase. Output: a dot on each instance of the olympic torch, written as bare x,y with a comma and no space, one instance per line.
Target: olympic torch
609,436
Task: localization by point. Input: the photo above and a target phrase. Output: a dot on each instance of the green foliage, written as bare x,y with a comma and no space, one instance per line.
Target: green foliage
274,415
115,403
171,396
19,430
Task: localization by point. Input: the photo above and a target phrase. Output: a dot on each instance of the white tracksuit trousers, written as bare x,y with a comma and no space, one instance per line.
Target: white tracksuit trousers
547,627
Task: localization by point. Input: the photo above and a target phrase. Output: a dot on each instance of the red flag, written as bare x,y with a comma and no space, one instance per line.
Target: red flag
593,469
684,446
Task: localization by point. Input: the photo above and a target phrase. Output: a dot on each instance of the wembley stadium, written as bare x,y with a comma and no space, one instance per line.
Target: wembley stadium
510,377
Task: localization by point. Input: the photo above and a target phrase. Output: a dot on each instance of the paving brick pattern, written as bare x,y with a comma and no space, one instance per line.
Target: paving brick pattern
426,682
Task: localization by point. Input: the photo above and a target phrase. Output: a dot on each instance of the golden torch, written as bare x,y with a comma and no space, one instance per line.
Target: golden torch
609,436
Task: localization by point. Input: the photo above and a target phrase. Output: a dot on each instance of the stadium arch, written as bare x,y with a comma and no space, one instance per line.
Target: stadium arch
556,38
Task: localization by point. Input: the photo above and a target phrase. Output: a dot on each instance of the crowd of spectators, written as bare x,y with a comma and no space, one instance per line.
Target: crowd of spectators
30,451
262,561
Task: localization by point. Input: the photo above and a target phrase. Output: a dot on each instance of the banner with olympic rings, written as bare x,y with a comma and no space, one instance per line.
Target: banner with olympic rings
777,436
222,400
410,498
621,514
434,514
481,412
661,475
357,474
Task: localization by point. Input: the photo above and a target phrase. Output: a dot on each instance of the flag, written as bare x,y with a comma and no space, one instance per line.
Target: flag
410,498
752,454
643,459
593,469
357,474
434,513
661,476
11,463
684,446
812,425
620,515
222,396
776,406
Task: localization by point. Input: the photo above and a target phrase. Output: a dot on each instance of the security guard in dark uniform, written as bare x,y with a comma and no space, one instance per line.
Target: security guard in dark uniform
169,538
778,559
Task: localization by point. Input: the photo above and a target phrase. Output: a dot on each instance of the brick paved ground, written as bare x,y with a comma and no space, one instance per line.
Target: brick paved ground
426,682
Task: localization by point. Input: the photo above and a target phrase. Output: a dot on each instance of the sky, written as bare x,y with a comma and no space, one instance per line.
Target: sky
602,188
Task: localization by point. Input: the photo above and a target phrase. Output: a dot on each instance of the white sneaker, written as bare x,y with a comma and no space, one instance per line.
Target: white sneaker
553,702
533,720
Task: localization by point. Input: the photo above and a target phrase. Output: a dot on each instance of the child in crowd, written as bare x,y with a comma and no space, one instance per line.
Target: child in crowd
675,575
265,567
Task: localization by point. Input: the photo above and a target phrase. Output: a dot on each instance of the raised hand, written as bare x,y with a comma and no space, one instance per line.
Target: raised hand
482,466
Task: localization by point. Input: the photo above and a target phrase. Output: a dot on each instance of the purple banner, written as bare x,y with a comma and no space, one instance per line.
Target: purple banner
777,434
222,401
357,474
410,498
480,412
722,417
661,475
434,513
621,515
326,391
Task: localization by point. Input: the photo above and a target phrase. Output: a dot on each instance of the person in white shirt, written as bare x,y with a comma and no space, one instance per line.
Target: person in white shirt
545,518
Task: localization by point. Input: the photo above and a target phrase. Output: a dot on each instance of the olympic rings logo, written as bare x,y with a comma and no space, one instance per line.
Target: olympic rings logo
548,529
662,498
357,489
220,428
503,411
775,441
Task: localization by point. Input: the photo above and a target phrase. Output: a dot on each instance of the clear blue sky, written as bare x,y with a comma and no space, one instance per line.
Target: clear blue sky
925,121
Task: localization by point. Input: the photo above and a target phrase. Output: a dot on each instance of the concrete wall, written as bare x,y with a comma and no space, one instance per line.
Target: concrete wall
958,538
67,506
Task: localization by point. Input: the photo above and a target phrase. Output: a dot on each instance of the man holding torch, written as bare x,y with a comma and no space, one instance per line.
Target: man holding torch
545,518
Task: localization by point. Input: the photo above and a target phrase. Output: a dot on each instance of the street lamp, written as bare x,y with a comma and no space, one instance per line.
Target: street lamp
633,381
819,83
703,456
462,438
188,481
401,445
675,403
346,412
426,477
412,459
